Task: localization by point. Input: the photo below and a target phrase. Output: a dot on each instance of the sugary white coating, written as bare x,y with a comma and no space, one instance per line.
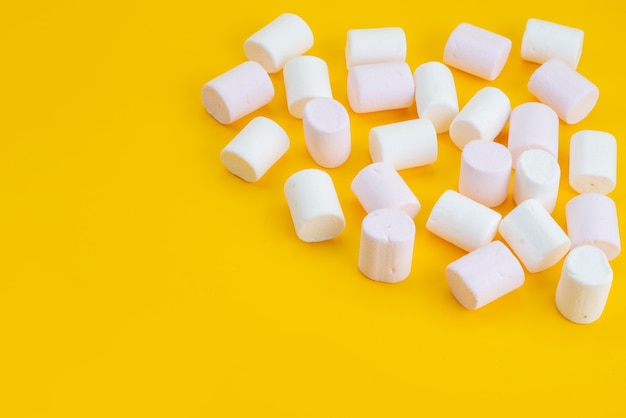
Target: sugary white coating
386,247
483,117
537,176
593,162
543,40
373,45
484,275
255,149
284,38
381,86
462,221
305,77
534,236
435,94
568,92
477,51
485,172
315,209
378,185
592,220
584,286
406,144
533,125
237,92
327,131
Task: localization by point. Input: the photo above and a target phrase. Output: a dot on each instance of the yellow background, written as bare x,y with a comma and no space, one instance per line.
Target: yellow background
138,277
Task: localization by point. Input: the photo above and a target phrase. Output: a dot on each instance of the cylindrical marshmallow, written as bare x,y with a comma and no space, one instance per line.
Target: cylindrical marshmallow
537,176
592,220
565,90
327,131
485,172
370,46
533,125
386,247
593,162
534,236
543,40
255,149
378,185
406,144
381,86
284,38
237,92
306,77
584,286
477,51
484,275
315,209
435,94
483,117
462,221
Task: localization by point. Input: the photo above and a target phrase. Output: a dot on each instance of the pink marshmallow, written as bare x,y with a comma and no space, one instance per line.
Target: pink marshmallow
533,125
380,86
327,131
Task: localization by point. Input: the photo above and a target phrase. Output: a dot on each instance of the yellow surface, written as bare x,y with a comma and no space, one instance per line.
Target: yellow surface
138,277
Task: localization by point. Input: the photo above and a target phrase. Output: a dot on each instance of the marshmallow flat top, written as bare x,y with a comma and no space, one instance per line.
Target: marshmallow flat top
374,45
327,131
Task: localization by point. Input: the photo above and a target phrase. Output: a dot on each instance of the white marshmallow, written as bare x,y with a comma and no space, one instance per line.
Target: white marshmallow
435,94
593,162
378,185
566,91
462,221
327,131
370,46
537,176
284,38
255,149
543,40
237,92
386,247
584,286
315,209
406,144
381,86
534,236
484,275
483,117
592,220
533,125
477,51
306,77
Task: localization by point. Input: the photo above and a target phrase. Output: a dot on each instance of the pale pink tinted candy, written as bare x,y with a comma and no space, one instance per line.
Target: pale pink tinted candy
327,131
533,125
380,86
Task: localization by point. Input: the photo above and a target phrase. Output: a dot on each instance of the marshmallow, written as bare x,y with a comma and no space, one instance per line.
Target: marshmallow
435,94
537,176
386,247
566,91
593,162
584,286
483,117
381,86
379,185
484,275
462,221
237,92
533,125
314,205
477,51
370,46
284,38
485,172
543,40
592,220
255,149
405,144
305,77
327,131
534,236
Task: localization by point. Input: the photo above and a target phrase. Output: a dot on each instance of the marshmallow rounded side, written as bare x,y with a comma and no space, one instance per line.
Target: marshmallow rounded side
537,176
327,131
593,162
533,125
305,77
374,45
435,94
406,144
543,40
380,86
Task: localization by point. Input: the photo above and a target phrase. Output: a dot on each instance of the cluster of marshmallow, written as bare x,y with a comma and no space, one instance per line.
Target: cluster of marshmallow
378,79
